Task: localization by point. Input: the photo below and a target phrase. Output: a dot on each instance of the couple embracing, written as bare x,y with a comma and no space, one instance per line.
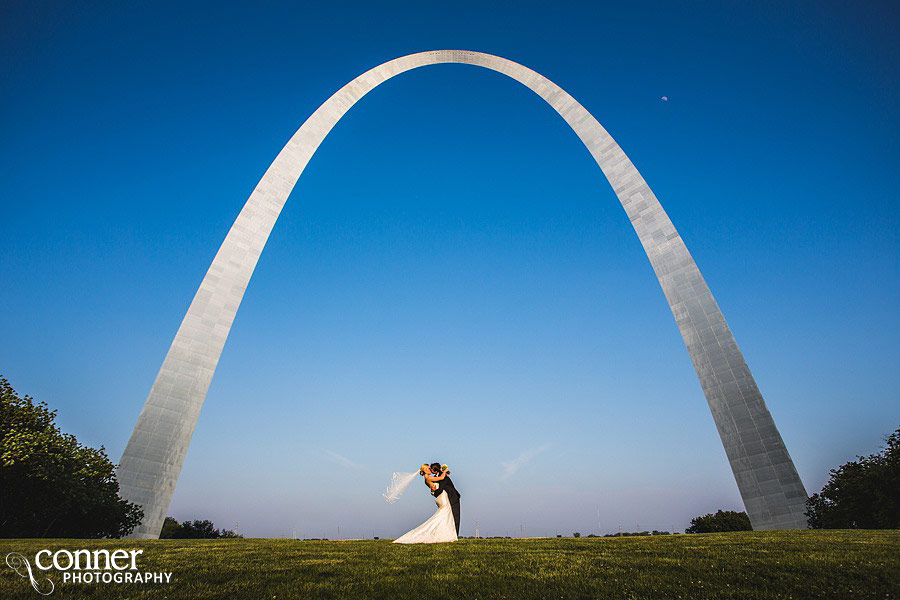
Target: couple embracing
443,525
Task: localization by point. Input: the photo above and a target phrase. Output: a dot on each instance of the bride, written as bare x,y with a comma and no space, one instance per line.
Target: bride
440,527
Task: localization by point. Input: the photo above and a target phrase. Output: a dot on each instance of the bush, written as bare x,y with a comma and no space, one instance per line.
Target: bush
721,520
861,494
193,530
51,485
169,528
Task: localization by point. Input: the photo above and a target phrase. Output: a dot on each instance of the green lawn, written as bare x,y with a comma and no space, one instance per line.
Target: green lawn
746,565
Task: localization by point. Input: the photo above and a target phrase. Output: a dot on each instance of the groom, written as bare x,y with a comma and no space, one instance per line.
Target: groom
446,484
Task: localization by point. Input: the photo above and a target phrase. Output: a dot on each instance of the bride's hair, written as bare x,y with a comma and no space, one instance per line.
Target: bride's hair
423,468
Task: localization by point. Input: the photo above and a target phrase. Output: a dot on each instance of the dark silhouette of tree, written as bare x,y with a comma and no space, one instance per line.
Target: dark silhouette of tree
50,485
721,520
861,494
170,526
193,530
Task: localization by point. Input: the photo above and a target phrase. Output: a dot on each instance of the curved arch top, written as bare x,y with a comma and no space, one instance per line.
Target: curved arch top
771,489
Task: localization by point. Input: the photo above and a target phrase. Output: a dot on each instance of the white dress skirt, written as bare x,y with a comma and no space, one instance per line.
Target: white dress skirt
440,527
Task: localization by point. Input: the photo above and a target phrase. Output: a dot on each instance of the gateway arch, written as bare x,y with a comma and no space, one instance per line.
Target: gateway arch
770,487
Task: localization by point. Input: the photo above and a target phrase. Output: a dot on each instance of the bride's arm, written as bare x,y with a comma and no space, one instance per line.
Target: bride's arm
430,479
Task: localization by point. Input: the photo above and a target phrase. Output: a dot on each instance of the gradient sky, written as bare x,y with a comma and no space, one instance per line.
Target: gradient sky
452,278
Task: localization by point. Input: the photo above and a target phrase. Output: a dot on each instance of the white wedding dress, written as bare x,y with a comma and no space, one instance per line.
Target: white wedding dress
440,527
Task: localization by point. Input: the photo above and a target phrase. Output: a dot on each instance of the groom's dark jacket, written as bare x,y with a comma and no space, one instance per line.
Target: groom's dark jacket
446,485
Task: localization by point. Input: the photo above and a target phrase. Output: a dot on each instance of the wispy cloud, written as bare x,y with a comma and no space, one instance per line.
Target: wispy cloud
340,459
510,468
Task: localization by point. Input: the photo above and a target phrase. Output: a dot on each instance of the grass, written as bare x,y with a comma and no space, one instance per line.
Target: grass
745,565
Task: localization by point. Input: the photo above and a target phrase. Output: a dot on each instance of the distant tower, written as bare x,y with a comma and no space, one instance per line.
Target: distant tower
476,530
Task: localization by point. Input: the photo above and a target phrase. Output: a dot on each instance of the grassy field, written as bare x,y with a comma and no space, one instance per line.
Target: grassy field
746,565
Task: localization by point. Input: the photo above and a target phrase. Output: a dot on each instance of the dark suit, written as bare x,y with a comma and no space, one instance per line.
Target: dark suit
446,485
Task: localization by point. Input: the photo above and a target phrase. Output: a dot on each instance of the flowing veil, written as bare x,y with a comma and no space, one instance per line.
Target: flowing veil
399,481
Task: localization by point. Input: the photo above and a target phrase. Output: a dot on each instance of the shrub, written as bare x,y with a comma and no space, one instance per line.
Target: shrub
721,520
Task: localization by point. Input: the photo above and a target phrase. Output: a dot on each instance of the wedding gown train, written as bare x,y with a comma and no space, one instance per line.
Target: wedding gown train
439,527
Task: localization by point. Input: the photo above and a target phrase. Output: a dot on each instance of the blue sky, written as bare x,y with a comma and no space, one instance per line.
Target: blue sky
452,278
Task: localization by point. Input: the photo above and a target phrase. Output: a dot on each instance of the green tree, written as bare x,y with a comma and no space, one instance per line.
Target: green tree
193,530
50,485
861,494
721,520
169,529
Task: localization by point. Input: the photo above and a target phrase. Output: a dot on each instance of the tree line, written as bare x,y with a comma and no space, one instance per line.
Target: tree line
193,530
53,486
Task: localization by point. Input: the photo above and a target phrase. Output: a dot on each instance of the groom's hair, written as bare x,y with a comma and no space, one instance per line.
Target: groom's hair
436,467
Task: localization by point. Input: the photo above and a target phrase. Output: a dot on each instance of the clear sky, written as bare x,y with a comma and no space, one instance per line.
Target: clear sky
452,278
